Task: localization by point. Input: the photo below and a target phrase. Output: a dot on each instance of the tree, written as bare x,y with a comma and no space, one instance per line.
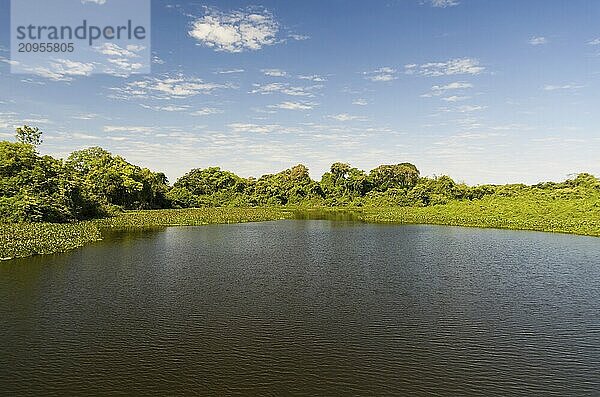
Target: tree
29,135
404,175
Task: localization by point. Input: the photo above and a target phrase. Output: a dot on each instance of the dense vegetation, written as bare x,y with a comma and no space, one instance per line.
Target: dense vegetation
89,184
94,184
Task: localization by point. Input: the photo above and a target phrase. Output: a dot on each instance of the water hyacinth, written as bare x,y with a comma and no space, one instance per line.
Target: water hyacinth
26,239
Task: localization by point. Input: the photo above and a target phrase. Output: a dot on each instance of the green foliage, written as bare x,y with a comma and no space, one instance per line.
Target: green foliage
111,180
32,187
93,182
386,177
29,135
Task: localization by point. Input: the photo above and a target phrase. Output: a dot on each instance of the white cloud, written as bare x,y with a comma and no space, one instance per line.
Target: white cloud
236,31
470,108
288,105
438,90
562,87
381,74
63,70
455,98
538,40
444,3
166,87
298,37
206,112
167,108
229,71
594,42
314,77
274,72
346,117
157,60
254,128
99,2
360,102
86,116
452,67
284,88
112,49
132,129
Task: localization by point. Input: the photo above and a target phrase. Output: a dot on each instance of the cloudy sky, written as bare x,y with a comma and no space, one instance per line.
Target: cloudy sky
484,91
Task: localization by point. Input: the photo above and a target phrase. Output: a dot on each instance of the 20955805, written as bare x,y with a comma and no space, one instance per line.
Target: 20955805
46,47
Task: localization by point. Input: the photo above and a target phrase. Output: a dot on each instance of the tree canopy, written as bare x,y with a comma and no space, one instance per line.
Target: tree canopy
93,182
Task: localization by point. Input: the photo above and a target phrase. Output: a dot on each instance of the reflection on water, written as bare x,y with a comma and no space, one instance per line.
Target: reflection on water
305,307
329,215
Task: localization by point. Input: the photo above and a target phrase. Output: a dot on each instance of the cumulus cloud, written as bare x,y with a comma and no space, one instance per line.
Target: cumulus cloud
538,40
452,67
236,31
381,74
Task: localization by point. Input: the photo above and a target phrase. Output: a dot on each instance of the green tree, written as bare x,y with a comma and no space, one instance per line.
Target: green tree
29,135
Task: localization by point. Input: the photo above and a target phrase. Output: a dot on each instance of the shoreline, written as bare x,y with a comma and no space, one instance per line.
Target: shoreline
22,240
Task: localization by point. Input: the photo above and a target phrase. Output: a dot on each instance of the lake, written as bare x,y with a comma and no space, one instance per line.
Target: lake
305,307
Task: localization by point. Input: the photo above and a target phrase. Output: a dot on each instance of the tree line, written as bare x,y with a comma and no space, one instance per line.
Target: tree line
93,183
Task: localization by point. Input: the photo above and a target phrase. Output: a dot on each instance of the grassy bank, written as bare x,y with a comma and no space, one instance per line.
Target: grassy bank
538,212
193,217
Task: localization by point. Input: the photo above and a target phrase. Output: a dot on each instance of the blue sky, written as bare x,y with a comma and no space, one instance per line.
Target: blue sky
484,91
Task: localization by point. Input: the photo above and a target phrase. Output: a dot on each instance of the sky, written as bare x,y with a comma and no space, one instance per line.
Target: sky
484,91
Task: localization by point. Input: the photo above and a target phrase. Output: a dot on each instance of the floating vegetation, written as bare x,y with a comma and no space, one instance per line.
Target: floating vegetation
26,239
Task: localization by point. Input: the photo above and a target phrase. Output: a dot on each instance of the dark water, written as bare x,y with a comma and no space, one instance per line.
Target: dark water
306,308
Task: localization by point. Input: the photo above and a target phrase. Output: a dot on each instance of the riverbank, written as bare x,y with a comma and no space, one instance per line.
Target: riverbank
548,214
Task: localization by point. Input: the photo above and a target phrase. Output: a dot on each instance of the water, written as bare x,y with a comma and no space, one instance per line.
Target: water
306,307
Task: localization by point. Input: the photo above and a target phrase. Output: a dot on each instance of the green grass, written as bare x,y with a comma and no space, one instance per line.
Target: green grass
193,217
535,210
529,212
